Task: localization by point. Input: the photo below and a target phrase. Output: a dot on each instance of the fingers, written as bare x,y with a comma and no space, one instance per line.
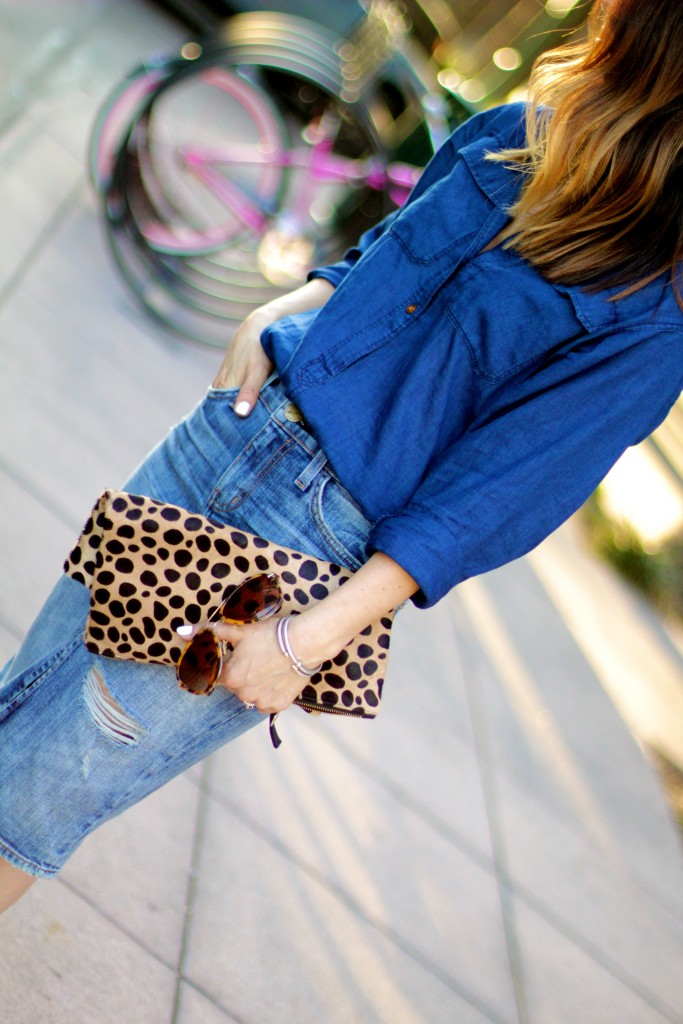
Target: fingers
225,631
257,673
245,366
254,670
246,399
258,370
249,380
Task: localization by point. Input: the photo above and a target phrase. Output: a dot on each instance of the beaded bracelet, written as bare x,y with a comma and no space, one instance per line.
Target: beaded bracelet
282,634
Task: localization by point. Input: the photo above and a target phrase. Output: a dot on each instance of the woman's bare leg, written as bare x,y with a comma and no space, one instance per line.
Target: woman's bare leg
13,884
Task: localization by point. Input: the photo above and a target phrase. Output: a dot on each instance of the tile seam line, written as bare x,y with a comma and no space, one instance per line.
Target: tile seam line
556,921
535,904
137,941
191,888
402,796
641,884
511,891
110,919
627,876
46,235
501,872
190,899
344,897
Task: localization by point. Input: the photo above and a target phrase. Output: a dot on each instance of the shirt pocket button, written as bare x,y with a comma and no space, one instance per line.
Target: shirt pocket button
411,308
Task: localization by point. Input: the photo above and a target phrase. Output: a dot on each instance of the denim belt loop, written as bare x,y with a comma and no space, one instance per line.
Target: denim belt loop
305,479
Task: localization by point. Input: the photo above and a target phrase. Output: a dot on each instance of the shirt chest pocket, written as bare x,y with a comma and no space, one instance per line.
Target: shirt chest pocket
507,316
441,224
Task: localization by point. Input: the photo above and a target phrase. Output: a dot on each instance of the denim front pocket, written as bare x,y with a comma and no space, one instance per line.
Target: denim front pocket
340,520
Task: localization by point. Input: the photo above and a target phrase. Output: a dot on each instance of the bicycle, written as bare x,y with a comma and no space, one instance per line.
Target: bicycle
204,228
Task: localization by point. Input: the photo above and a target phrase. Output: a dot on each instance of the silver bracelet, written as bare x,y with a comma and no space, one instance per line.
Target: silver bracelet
282,634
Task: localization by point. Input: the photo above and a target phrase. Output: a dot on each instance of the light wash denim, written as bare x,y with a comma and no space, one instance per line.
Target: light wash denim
83,737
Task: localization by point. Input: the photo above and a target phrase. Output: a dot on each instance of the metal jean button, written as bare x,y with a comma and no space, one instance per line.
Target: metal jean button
292,413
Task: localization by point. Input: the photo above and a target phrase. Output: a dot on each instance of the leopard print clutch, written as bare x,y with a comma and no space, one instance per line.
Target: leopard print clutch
152,567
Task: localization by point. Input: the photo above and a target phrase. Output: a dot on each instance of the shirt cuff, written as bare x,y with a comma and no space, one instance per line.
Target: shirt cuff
422,550
334,273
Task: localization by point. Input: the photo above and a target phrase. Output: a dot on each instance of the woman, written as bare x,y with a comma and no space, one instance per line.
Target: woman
428,408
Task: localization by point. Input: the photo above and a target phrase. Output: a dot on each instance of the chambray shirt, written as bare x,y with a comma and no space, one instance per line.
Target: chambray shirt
467,404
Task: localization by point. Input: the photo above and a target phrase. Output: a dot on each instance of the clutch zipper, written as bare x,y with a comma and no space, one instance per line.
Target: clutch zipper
275,738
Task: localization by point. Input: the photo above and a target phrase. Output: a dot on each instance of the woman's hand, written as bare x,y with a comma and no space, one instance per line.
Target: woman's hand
245,365
257,671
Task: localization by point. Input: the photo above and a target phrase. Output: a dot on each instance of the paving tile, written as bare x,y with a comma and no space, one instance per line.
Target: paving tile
61,962
271,942
631,648
8,641
590,893
67,97
33,552
99,388
196,1008
135,868
441,784
379,854
548,725
421,745
30,196
429,686
563,985
33,38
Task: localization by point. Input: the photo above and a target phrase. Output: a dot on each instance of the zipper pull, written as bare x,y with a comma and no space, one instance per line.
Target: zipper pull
274,738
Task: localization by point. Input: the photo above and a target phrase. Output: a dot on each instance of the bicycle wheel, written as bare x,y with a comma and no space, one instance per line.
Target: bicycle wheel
116,115
194,298
219,203
224,167
209,159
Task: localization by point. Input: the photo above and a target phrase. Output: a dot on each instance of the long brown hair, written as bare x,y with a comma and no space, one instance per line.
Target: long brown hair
603,203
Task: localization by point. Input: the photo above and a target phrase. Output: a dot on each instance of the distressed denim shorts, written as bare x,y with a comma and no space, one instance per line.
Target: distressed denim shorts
83,737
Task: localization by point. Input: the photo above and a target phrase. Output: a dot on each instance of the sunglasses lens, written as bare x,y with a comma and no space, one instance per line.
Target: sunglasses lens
200,662
255,599
199,665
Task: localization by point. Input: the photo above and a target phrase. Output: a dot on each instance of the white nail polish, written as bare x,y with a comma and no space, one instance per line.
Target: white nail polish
185,630
242,408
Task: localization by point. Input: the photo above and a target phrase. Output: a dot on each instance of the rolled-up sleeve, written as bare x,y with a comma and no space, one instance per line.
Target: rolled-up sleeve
336,272
542,449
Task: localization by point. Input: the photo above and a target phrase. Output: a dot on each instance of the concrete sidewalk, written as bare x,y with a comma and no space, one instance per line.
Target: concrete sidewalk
494,848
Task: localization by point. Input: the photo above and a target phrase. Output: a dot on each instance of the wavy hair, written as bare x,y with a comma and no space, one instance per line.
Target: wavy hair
603,202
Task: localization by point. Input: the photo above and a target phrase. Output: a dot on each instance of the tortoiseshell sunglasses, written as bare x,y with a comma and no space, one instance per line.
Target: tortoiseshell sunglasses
201,662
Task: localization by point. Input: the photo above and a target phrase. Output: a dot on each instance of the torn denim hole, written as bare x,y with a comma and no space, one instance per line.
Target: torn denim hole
107,715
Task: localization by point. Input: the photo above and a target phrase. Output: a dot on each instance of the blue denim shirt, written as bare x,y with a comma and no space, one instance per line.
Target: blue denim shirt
467,404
